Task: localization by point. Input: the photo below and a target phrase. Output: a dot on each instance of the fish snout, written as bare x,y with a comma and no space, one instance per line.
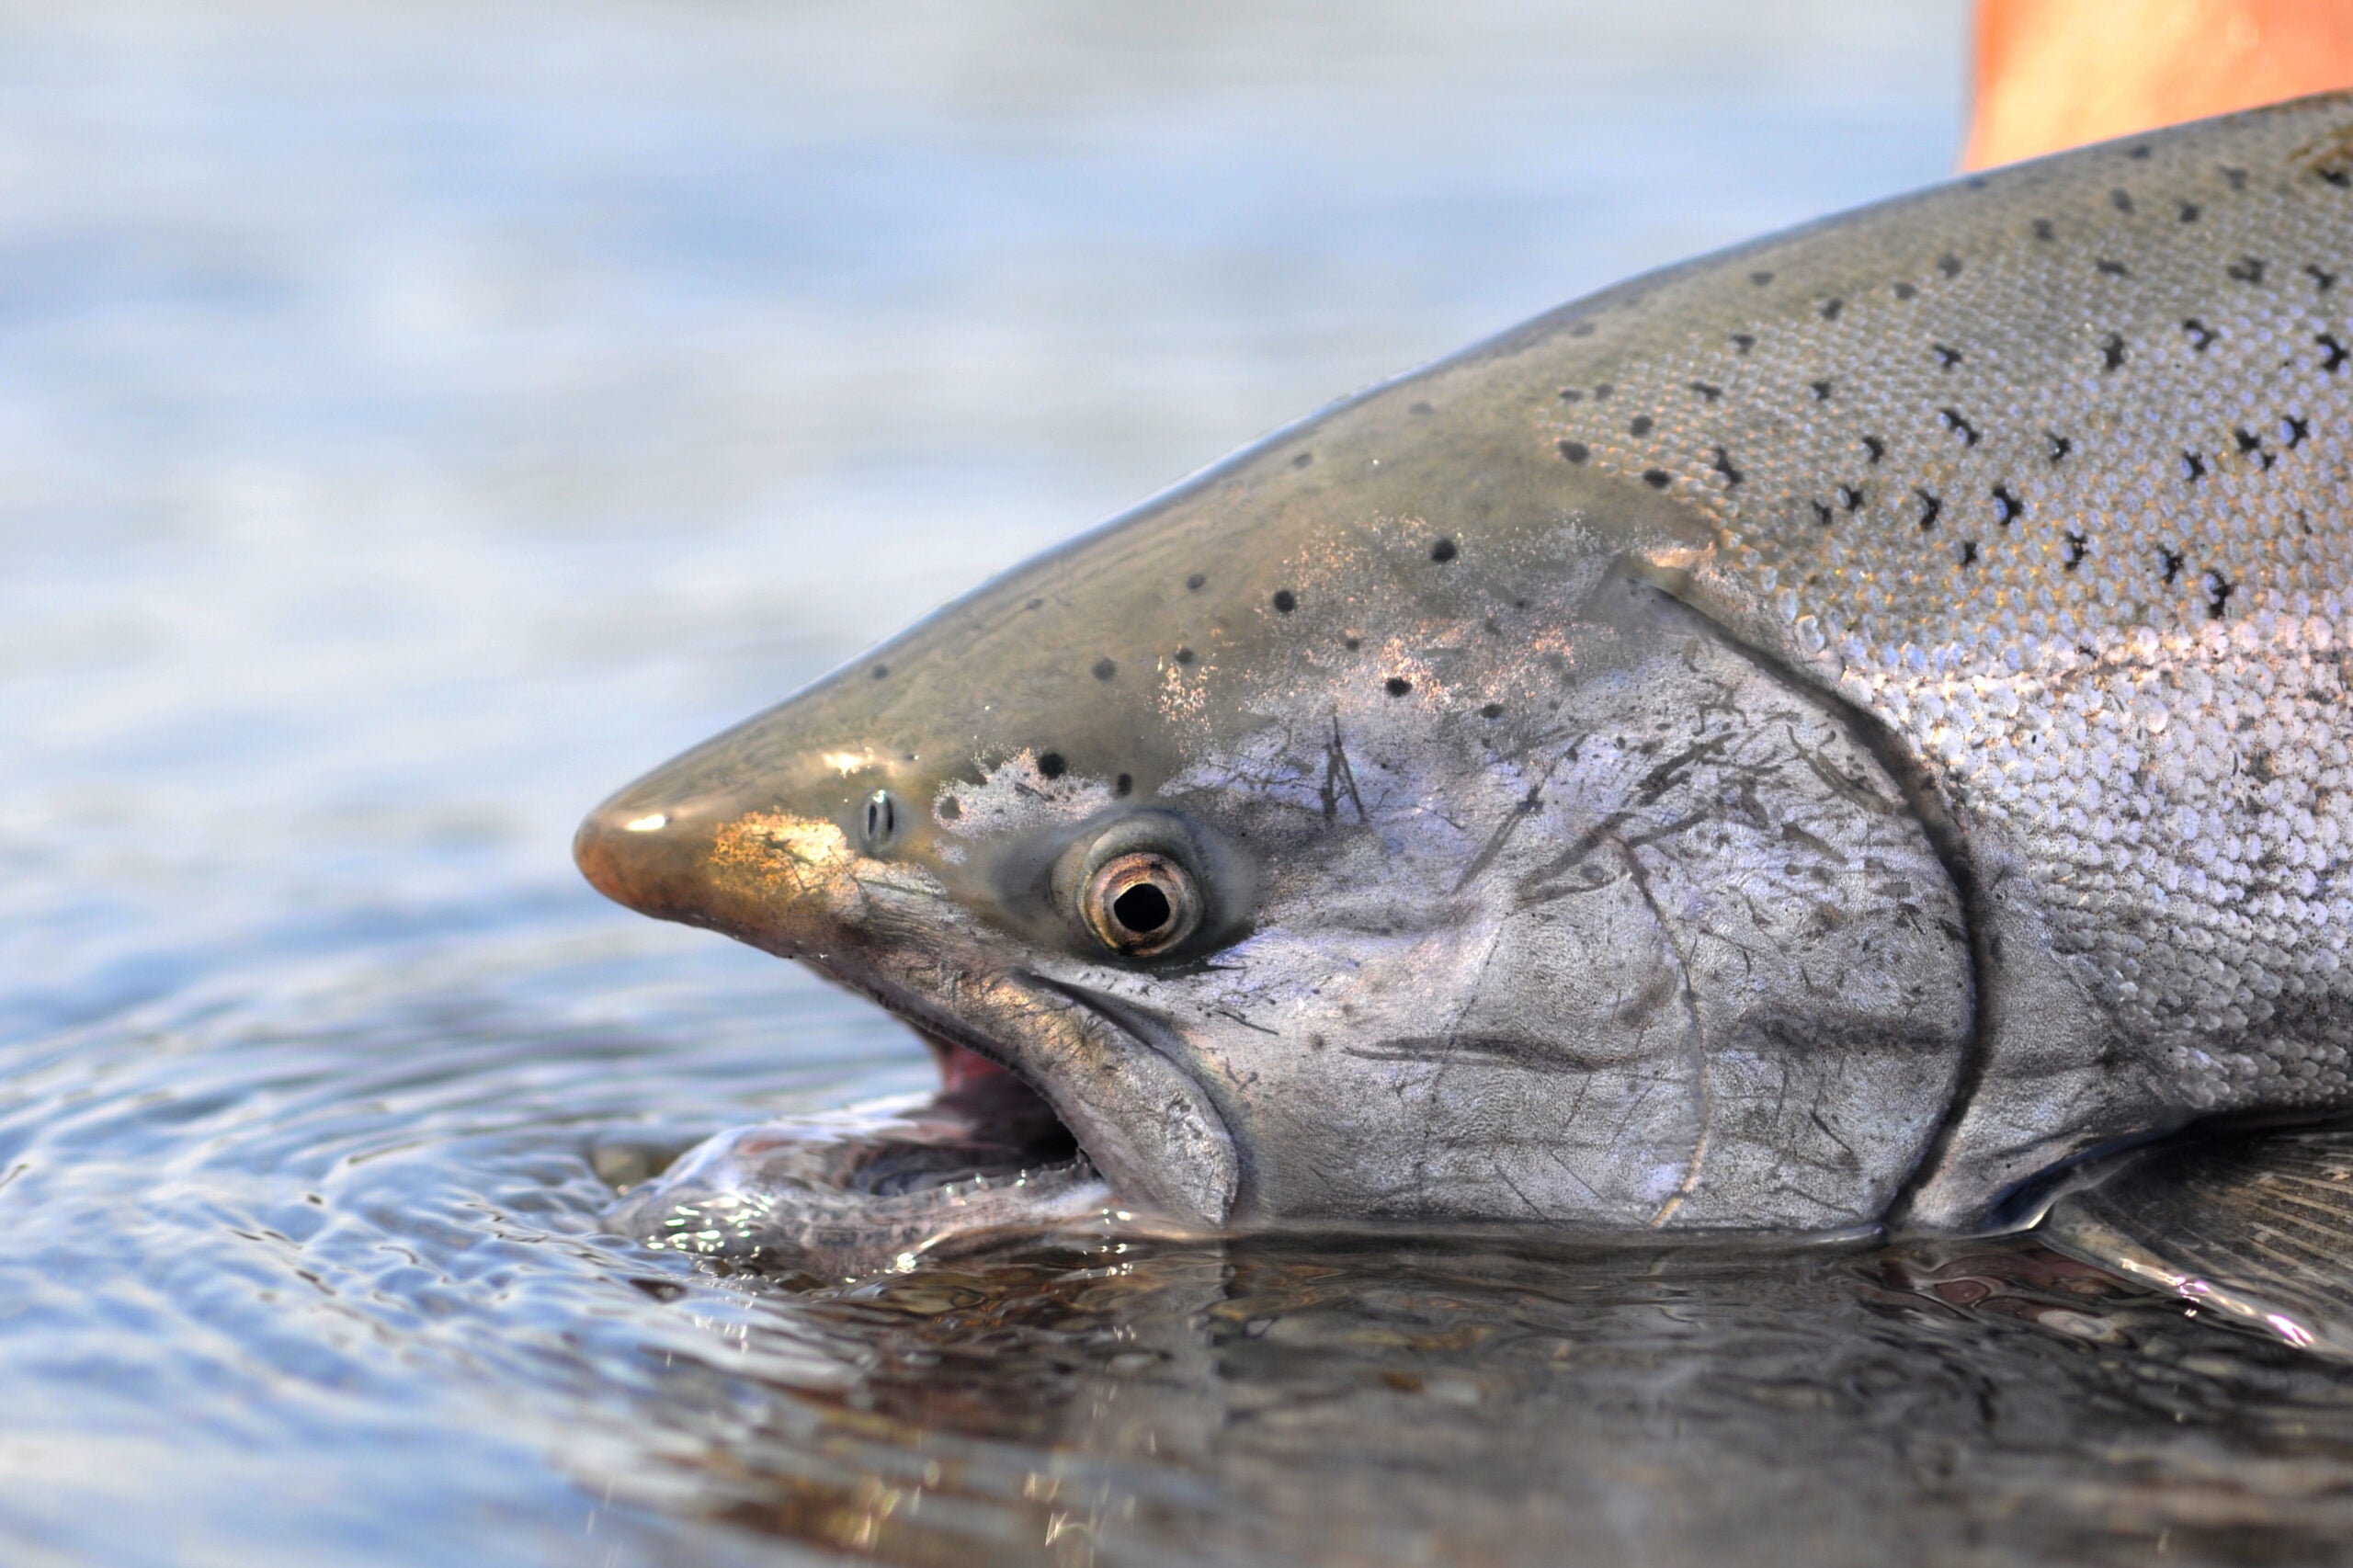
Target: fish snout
643,857
779,879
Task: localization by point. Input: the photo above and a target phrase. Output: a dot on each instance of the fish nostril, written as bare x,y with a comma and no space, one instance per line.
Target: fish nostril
881,824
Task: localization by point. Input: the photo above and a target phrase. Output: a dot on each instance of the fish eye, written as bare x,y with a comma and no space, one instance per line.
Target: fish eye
1142,903
881,822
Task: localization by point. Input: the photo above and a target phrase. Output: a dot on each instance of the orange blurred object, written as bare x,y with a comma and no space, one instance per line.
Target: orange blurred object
2054,74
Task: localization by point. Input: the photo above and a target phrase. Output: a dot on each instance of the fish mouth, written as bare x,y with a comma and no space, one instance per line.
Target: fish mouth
983,1124
1042,1064
983,1163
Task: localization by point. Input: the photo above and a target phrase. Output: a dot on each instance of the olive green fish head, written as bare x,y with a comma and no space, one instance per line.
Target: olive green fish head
1362,831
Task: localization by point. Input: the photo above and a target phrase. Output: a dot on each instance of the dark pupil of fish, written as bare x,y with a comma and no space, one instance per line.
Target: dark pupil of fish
881,816
1142,909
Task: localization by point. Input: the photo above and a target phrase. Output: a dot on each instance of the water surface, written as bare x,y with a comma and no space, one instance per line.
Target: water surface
415,420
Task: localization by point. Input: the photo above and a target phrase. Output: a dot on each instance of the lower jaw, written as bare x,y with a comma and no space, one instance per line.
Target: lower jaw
984,1163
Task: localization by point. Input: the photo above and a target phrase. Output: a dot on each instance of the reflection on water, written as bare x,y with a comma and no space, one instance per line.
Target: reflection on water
1428,1403
415,420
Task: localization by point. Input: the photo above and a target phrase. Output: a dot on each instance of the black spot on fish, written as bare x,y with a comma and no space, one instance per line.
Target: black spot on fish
2078,545
2202,336
1421,408
1950,264
2335,175
1830,309
1968,553
2335,355
1639,426
1875,446
1285,601
1951,420
1193,584
1124,785
1946,357
1575,451
1398,686
1707,392
1741,343
2060,446
1303,459
2043,231
2141,152
1035,604
2218,594
2193,468
1184,655
1851,497
2008,509
1601,393
1822,514
2236,178
1760,278
2120,200
2187,212
1931,507
1724,465
2293,430
1106,669
1905,291
2322,279
2111,267
2172,563
1821,390
880,671
2112,352
1582,329
1976,182
1442,551
1571,394
1656,478
2251,445
1051,765
1492,711
1352,643
2247,269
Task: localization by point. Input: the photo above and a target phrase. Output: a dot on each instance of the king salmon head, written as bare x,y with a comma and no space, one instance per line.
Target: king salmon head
1367,829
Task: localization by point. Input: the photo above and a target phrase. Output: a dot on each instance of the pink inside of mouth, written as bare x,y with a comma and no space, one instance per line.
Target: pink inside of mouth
990,1110
960,1070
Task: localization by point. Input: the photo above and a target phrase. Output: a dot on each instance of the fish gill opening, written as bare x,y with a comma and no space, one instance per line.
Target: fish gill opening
1947,840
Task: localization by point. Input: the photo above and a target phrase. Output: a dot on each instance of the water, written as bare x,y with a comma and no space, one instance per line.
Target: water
415,420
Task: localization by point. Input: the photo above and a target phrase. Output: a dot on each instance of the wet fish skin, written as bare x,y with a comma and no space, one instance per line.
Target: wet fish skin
1828,731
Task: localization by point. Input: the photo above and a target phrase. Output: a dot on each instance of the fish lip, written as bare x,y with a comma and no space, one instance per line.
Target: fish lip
1195,1181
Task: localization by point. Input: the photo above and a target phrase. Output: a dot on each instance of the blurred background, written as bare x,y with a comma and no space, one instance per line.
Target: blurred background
417,419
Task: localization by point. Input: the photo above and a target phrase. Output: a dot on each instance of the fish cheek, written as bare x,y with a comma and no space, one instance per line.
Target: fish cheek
1537,1064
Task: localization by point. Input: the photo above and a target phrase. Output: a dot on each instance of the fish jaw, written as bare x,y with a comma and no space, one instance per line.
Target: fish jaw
675,847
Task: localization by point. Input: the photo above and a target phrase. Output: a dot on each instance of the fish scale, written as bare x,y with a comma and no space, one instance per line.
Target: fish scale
2047,470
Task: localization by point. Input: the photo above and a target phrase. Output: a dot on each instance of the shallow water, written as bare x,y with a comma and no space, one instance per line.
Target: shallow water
415,421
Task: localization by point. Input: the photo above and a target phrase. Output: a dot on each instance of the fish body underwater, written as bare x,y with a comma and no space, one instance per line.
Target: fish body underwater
1826,735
